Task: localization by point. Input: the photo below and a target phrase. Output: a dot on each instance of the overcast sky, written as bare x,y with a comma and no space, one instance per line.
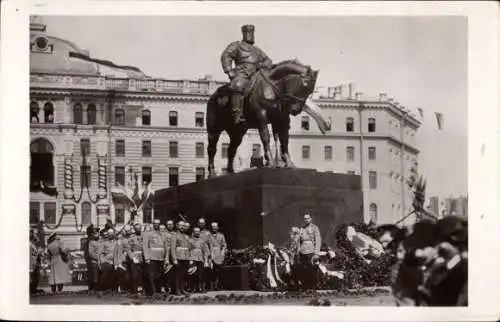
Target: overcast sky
419,61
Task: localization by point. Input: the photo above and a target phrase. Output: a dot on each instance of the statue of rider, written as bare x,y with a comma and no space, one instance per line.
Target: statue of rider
248,59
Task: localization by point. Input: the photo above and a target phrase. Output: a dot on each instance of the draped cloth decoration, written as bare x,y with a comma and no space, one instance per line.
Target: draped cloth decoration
275,259
269,273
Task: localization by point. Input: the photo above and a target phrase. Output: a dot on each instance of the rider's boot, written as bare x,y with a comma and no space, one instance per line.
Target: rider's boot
237,107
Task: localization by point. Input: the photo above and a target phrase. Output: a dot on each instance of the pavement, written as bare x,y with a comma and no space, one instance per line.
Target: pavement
76,294
80,288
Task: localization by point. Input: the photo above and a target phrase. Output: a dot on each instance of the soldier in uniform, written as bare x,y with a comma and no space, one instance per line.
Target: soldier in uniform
248,59
310,244
180,257
139,232
121,263
169,276
35,262
218,247
107,278
135,260
93,260
154,249
205,235
199,257
170,227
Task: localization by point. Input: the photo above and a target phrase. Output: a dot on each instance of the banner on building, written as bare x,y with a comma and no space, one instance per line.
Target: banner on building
440,120
421,112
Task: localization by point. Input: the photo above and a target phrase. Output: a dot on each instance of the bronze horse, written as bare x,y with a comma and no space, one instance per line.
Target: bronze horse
272,97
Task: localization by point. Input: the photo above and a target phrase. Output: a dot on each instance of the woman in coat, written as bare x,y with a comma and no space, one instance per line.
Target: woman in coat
59,263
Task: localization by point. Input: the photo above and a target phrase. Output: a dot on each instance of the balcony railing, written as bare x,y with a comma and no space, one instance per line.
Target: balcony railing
127,84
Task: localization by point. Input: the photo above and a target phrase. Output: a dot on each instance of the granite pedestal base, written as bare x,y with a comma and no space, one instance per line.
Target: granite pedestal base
262,205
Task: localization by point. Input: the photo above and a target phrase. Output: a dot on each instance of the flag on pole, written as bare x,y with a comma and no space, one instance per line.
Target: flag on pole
421,112
440,120
132,72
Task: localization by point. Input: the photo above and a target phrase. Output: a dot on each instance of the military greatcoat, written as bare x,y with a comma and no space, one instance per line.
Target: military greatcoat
247,59
310,240
218,247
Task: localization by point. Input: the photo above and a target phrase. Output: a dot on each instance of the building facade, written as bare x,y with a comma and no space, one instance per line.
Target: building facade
92,130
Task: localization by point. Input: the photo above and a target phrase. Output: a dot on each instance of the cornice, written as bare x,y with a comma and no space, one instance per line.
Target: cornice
118,95
393,109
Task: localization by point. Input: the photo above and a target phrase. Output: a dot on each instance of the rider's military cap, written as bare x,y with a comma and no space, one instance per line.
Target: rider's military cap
245,28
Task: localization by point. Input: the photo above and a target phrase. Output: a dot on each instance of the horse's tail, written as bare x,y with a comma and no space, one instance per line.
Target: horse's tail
213,109
211,116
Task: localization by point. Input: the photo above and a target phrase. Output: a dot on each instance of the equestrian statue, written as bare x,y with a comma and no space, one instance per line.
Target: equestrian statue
259,93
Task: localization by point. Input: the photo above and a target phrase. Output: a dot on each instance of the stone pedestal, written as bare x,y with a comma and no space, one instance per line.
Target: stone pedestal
262,205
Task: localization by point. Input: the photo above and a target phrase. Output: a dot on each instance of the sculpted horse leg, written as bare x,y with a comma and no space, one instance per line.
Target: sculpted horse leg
276,159
283,134
213,138
235,140
264,136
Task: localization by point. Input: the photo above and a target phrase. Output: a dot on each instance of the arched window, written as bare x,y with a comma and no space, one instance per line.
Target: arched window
77,114
306,152
86,213
120,116
48,112
371,124
42,166
91,114
349,124
172,118
199,120
305,123
34,109
373,212
146,117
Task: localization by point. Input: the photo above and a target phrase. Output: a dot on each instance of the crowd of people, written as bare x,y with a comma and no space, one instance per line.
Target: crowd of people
166,258
428,260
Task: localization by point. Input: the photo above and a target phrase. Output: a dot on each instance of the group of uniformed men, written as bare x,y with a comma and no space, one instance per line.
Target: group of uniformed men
166,257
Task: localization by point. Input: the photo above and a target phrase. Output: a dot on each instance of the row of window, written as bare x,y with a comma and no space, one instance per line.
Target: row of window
200,150
48,113
173,148
49,209
147,175
90,116
328,154
349,124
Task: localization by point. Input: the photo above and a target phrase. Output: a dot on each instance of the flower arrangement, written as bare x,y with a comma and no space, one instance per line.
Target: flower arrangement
347,266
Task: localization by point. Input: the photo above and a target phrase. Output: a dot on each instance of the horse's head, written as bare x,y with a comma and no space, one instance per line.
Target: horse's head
297,86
